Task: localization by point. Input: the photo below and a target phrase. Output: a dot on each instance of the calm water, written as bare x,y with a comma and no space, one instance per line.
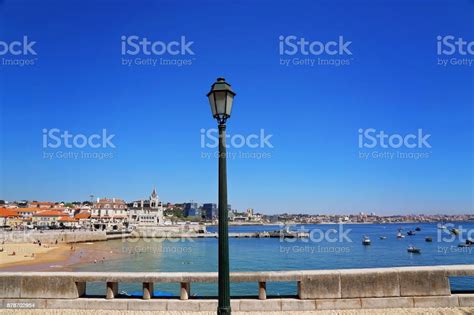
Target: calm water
274,254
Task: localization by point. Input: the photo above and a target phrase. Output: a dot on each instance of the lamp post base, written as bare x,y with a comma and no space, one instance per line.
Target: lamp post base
223,310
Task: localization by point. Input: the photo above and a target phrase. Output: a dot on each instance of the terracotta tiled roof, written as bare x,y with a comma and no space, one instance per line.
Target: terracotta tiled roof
49,213
66,219
27,209
110,200
83,215
7,213
42,203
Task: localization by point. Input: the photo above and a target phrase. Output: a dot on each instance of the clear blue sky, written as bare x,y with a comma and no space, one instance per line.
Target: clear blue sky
314,113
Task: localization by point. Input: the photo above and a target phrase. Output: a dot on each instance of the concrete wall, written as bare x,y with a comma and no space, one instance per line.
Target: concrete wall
375,283
166,231
328,289
50,237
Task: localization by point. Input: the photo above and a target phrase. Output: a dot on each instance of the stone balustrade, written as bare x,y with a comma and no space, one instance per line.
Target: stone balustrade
323,289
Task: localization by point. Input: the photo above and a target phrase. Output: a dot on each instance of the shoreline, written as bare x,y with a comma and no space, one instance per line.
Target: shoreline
61,257
64,256
336,223
28,254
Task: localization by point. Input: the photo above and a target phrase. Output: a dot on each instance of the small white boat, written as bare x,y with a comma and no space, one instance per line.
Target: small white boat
413,249
366,241
383,237
400,235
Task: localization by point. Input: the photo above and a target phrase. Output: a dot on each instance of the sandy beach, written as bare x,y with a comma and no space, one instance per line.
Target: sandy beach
31,254
55,257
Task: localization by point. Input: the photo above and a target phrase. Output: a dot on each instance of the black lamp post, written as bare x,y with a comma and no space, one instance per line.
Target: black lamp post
221,98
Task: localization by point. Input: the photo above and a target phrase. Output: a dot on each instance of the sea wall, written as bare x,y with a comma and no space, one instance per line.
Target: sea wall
51,237
404,287
166,231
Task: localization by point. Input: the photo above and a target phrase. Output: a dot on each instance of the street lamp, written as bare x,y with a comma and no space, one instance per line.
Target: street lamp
221,98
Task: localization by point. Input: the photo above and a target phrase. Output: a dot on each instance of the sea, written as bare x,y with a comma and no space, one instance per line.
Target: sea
329,246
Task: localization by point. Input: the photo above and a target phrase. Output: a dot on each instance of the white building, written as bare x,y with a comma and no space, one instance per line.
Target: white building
146,212
109,213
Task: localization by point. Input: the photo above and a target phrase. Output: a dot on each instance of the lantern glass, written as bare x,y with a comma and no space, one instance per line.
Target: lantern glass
221,98
229,100
213,104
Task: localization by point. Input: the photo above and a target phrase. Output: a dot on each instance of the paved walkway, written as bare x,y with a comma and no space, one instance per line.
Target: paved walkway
393,311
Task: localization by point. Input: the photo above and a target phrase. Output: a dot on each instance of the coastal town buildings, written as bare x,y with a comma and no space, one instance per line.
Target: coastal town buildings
47,218
209,211
191,209
44,205
113,214
83,219
27,213
146,212
109,214
8,217
68,222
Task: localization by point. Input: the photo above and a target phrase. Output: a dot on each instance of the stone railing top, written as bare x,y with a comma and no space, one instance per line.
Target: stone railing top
263,276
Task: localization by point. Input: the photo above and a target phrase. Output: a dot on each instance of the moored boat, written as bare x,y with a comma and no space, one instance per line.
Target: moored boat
418,229
366,241
455,231
428,239
413,249
411,233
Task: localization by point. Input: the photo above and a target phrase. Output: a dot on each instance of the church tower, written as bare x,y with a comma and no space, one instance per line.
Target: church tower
154,199
156,207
